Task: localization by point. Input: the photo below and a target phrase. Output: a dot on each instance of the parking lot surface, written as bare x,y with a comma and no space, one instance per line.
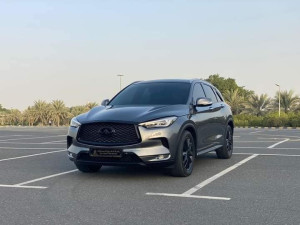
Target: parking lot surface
260,184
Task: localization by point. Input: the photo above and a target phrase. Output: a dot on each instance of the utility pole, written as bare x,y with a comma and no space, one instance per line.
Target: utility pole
279,96
120,75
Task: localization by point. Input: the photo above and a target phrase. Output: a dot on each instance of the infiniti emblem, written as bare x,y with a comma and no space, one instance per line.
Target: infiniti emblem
107,131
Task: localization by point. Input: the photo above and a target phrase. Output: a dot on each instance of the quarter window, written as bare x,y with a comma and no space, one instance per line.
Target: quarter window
210,93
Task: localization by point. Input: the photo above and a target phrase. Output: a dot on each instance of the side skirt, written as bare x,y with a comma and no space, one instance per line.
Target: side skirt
203,151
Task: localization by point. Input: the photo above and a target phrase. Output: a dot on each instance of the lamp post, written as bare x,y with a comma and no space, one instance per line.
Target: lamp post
278,98
120,75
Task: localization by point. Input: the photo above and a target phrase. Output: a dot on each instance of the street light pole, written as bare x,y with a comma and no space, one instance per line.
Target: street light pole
120,75
279,96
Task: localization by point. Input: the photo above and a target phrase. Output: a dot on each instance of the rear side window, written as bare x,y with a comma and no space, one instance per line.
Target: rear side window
198,92
210,93
218,96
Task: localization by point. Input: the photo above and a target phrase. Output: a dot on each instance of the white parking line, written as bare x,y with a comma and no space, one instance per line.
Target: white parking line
278,143
53,142
27,187
188,196
264,154
222,173
33,155
254,132
17,135
241,147
27,148
16,139
42,143
251,141
47,177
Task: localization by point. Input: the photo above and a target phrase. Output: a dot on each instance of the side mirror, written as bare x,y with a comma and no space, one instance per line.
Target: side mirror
201,102
105,102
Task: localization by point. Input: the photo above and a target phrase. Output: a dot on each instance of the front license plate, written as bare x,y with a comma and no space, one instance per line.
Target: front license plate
113,153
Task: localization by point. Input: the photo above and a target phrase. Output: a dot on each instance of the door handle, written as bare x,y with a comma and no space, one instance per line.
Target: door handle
222,106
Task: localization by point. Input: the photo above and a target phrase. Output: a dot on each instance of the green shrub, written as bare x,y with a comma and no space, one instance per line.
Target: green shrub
270,120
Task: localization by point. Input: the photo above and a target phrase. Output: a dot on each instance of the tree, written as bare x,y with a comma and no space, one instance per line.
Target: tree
41,111
235,100
258,105
58,111
29,116
91,105
77,110
289,101
14,117
224,84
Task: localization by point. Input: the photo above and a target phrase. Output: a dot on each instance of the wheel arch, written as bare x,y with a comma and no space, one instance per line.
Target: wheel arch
189,126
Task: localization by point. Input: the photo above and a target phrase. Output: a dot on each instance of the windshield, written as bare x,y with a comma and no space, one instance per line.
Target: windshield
153,94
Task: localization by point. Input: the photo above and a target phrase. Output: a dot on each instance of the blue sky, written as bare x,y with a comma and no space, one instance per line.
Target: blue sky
72,50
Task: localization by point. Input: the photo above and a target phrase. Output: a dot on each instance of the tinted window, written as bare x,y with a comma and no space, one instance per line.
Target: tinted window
210,93
218,96
198,92
153,94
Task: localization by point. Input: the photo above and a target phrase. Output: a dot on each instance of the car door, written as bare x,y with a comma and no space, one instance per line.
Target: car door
217,119
202,117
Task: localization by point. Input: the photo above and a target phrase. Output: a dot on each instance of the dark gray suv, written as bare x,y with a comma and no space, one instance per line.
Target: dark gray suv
161,122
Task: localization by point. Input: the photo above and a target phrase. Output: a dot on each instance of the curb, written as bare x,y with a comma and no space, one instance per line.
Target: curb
278,128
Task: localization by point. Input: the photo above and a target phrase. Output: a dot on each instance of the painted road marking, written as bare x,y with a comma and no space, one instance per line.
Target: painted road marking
27,148
252,141
46,177
27,156
188,196
16,139
267,148
17,135
254,132
27,187
25,143
222,173
278,143
265,154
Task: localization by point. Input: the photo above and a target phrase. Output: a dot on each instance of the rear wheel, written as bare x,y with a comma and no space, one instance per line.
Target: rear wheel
225,152
88,168
185,157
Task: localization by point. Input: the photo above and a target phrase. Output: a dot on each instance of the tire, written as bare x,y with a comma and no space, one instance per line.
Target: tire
225,152
87,168
185,156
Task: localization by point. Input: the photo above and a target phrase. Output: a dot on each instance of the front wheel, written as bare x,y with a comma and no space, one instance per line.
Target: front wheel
185,157
87,168
225,152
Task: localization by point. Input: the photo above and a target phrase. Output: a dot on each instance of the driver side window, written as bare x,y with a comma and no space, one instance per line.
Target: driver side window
198,92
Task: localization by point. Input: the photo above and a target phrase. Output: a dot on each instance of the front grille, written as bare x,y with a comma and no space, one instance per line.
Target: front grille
127,158
108,134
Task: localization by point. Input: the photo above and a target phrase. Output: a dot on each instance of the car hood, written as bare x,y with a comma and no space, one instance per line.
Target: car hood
132,114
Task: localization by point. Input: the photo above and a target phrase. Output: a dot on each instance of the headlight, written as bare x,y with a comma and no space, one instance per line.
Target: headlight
164,122
74,123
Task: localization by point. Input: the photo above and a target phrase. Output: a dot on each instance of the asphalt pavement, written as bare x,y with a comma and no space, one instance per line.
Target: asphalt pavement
260,184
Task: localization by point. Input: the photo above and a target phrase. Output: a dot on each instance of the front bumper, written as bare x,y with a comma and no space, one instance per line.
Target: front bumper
157,146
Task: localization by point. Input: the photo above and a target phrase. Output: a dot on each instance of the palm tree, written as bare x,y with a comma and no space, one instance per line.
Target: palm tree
41,111
29,116
76,110
258,105
91,105
235,100
59,111
289,101
14,117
